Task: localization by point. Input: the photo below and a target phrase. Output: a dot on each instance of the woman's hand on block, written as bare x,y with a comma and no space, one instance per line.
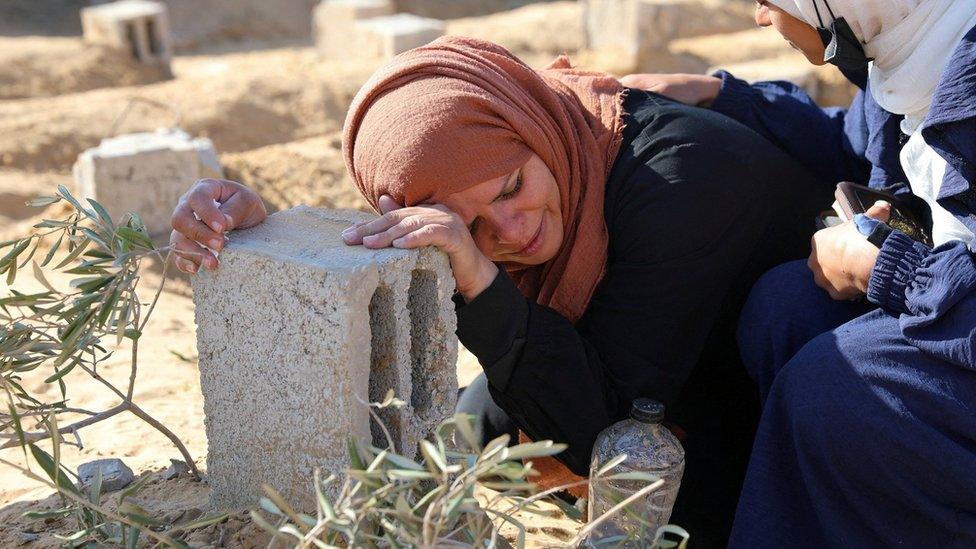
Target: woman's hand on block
428,225
205,212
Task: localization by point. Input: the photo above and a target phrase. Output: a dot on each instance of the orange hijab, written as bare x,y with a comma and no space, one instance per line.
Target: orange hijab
458,112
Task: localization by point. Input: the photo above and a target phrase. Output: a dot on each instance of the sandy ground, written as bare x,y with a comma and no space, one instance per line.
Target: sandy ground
168,388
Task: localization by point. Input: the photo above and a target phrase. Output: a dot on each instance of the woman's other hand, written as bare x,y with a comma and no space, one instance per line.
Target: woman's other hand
691,89
205,212
842,258
428,225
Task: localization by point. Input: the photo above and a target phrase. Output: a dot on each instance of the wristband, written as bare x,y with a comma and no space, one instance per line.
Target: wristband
876,231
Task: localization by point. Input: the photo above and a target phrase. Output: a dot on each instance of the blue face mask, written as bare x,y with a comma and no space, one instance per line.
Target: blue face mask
843,49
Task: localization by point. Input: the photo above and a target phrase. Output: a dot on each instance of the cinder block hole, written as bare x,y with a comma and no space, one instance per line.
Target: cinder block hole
155,44
382,362
422,304
132,38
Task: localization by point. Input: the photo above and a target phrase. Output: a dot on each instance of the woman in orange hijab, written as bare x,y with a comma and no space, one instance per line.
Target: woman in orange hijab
602,242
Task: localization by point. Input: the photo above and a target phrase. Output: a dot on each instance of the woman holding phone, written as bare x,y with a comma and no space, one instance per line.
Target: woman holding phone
868,435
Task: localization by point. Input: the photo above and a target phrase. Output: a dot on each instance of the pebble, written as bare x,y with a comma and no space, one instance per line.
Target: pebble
192,514
173,516
175,469
115,474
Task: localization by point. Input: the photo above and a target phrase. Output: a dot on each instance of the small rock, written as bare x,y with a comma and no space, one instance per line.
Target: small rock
115,474
200,537
173,516
192,514
233,525
29,536
175,469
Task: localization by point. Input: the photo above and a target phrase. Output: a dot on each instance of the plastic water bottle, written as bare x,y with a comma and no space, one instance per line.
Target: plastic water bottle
650,448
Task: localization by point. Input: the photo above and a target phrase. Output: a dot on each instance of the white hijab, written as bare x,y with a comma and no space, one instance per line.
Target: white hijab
910,41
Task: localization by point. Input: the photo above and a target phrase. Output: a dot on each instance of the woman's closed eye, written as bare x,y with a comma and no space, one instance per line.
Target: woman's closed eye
515,188
505,195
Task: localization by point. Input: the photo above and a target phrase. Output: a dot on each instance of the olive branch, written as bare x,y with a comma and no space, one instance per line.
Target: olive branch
64,330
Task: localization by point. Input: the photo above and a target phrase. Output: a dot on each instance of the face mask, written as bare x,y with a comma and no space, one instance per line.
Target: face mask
843,49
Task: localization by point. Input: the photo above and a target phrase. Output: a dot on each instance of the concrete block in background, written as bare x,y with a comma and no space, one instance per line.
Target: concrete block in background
296,331
369,30
340,11
334,23
642,29
138,26
398,33
145,173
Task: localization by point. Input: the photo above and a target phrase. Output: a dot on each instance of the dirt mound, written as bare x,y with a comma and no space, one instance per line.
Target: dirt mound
240,101
177,501
18,187
556,28
193,25
45,17
309,171
42,67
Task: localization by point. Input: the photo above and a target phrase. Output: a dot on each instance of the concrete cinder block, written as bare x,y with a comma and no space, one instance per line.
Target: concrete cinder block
145,173
398,33
334,22
642,29
296,330
138,26
339,11
369,30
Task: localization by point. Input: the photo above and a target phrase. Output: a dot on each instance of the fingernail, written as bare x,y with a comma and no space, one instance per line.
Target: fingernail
218,226
882,203
216,243
369,239
228,220
193,268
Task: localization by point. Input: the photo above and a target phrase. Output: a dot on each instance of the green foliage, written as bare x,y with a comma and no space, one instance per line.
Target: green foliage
60,332
390,500
64,329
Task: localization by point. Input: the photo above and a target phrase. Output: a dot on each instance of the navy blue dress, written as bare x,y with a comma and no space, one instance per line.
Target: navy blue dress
868,432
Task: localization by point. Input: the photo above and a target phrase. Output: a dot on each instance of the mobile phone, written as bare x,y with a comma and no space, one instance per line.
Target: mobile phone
905,216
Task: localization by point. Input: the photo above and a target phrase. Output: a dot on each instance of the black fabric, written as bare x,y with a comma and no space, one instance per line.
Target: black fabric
697,208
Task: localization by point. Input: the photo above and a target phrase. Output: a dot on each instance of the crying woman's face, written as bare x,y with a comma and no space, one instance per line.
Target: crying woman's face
515,218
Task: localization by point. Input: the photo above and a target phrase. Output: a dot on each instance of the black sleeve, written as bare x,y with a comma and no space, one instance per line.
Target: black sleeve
681,236
545,376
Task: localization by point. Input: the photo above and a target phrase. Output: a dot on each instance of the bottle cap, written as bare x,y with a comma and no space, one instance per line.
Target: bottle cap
647,410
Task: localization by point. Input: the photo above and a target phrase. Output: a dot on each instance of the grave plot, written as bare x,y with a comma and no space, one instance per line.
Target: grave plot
145,173
297,331
139,26
369,29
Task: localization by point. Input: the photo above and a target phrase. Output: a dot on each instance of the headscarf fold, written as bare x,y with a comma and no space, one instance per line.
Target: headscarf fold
458,112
